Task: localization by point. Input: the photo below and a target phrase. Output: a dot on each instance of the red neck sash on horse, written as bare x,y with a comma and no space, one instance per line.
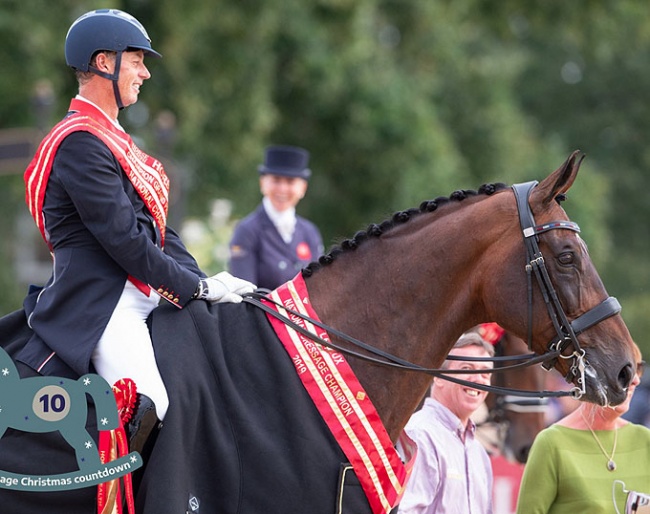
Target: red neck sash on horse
342,402
145,173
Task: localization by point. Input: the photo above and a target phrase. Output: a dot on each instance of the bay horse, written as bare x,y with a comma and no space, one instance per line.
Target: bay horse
242,433
463,264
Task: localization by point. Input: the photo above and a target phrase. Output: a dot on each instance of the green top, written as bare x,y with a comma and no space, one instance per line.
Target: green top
566,472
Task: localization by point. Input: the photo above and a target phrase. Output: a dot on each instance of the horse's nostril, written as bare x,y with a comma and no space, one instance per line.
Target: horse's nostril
625,376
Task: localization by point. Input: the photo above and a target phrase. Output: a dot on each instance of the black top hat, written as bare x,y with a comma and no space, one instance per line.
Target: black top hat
287,161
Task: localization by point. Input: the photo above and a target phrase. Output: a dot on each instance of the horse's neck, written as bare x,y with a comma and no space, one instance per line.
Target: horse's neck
408,293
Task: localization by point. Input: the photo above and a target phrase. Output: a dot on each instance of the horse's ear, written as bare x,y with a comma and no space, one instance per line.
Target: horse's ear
559,181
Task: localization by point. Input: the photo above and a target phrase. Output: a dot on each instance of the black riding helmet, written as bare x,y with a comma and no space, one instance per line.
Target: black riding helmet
105,29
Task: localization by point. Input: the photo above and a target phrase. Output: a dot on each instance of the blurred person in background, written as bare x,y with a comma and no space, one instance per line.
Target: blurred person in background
573,464
272,244
452,471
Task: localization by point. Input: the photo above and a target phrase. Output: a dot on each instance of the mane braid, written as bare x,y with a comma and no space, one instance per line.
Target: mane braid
376,230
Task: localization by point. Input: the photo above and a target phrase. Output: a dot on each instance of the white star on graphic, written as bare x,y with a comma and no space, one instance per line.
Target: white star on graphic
104,421
89,445
86,381
5,372
134,459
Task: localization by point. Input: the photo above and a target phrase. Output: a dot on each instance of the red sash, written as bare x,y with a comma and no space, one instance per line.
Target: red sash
145,173
342,402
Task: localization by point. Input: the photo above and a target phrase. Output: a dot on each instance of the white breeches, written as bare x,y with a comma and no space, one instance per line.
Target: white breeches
125,349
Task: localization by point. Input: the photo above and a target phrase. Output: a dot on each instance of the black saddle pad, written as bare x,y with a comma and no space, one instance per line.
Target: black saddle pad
241,435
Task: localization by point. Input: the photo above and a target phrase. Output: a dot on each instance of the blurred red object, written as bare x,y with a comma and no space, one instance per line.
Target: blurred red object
491,332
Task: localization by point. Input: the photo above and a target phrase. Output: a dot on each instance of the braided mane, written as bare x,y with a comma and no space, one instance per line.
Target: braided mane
400,217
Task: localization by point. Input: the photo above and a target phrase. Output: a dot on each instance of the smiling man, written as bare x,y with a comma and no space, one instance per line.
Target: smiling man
452,471
100,204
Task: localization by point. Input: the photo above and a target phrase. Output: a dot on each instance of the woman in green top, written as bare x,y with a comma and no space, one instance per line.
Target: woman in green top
573,463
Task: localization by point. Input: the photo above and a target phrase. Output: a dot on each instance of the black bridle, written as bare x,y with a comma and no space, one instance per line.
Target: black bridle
566,331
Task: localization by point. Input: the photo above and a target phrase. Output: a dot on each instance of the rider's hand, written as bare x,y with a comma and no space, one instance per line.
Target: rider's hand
223,288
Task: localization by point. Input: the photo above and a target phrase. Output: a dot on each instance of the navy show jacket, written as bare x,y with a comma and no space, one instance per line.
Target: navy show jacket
101,232
259,254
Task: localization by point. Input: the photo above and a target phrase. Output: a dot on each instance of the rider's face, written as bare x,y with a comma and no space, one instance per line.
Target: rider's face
133,73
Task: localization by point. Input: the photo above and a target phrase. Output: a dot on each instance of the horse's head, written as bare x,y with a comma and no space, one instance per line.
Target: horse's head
569,307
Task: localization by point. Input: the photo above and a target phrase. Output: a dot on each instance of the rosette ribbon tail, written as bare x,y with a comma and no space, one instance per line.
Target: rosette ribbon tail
113,444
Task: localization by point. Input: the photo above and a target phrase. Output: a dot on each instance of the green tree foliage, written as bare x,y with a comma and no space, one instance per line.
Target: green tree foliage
397,100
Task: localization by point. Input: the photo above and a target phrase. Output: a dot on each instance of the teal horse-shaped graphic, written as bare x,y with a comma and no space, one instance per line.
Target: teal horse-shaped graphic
46,404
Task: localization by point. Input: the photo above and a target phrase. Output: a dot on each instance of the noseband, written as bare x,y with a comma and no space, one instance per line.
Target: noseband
566,331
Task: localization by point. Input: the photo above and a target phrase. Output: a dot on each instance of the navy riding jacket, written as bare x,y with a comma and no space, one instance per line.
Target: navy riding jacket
101,232
259,254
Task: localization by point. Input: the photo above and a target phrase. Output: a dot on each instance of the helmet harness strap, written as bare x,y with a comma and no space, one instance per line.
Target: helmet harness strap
114,77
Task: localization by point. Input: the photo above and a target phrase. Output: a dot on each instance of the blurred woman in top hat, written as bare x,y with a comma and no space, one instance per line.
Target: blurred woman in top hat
272,244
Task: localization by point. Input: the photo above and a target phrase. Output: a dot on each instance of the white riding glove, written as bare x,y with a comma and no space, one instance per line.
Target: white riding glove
223,288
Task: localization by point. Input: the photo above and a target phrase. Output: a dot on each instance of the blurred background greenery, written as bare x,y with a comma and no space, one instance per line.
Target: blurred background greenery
397,100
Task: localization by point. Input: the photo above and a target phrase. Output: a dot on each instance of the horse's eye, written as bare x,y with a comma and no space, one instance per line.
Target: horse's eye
566,258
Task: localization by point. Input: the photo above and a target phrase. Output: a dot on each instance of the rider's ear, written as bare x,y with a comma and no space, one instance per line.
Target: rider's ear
102,61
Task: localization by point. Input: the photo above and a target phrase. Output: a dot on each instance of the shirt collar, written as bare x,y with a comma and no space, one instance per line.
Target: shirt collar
451,421
284,222
114,122
279,217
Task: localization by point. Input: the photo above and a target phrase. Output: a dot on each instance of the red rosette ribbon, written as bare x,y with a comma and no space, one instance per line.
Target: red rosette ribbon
125,393
113,444
491,332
